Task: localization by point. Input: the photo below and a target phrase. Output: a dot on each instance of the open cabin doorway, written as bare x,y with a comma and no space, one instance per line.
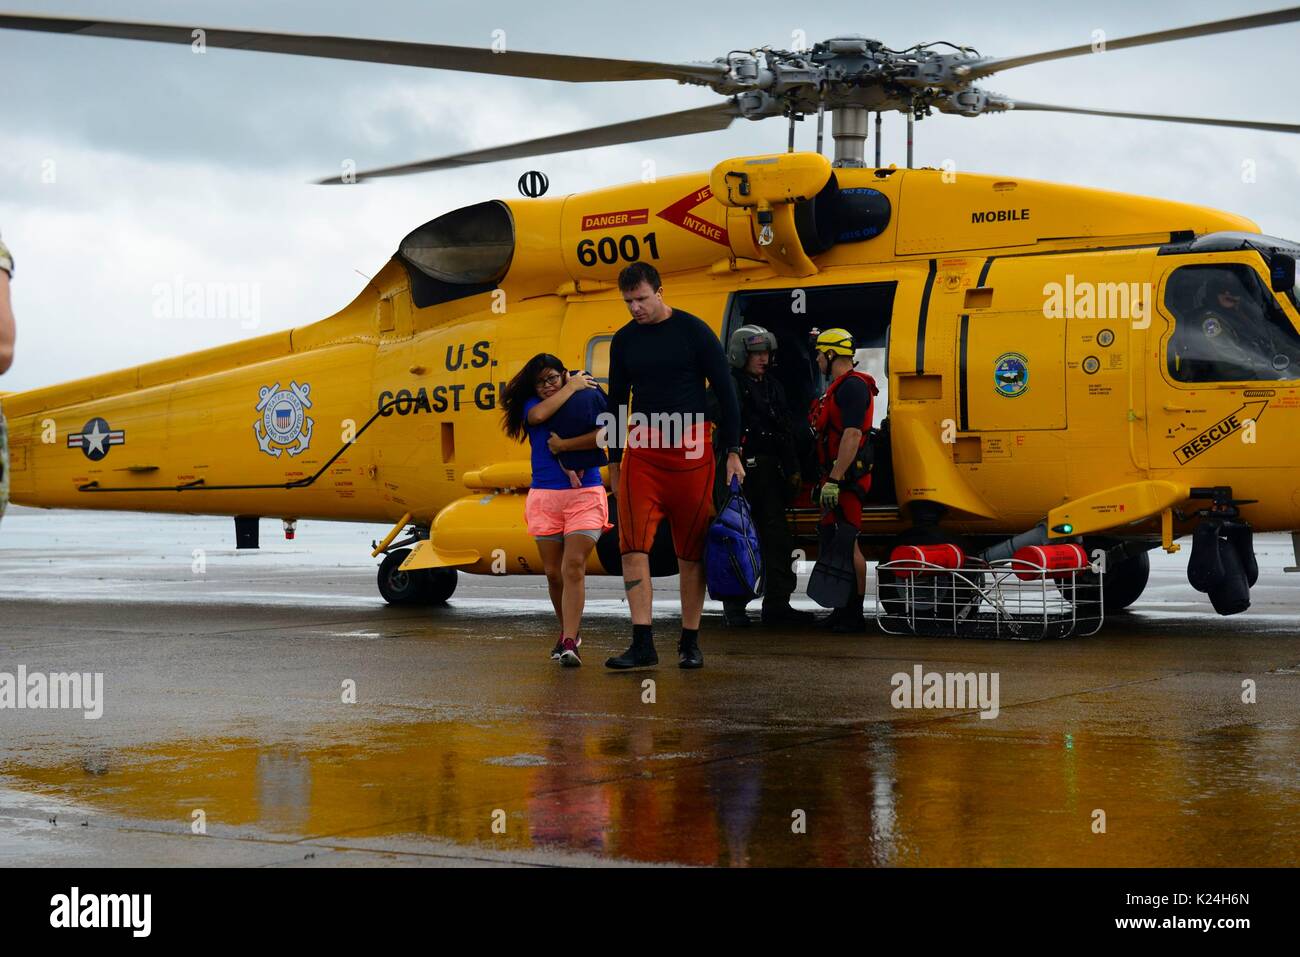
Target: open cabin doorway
791,313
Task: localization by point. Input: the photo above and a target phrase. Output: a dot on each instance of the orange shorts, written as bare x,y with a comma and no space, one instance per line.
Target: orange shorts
851,498
671,483
554,513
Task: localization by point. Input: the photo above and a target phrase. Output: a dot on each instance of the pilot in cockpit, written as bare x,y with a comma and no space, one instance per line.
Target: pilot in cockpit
1225,335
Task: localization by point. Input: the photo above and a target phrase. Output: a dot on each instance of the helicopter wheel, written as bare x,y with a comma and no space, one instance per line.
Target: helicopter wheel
439,585
399,587
1125,582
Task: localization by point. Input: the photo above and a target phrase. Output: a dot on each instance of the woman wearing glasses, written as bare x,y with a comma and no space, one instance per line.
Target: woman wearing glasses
566,510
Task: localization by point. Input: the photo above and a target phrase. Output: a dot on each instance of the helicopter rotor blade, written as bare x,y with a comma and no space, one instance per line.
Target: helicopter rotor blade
989,67
1019,105
543,66
699,120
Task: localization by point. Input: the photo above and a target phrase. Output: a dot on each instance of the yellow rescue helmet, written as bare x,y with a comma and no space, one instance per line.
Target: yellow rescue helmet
836,341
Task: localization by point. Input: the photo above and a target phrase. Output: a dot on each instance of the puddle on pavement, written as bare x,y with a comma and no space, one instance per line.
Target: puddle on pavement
644,791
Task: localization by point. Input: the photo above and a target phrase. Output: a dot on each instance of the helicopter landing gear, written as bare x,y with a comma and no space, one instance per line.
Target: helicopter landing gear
421,586
399,587
1126,581
1126,578
440,586
425,586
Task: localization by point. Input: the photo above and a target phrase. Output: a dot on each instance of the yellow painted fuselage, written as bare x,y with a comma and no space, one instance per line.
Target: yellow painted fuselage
389,407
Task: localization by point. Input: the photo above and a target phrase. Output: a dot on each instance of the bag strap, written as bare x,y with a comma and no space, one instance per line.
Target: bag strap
736,495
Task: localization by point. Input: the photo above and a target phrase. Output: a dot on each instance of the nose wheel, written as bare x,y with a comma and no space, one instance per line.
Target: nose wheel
423,586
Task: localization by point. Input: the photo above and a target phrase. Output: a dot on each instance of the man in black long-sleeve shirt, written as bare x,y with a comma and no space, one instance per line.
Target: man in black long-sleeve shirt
661,361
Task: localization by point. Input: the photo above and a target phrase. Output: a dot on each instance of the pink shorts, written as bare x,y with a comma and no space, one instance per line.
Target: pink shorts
552,513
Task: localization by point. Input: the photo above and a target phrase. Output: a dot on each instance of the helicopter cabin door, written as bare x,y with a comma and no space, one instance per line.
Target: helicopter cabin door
1011,372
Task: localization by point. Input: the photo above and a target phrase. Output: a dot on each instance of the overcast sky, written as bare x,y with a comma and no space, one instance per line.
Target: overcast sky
169,167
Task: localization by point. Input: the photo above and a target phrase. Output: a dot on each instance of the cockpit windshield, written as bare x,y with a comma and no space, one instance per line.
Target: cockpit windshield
1229,327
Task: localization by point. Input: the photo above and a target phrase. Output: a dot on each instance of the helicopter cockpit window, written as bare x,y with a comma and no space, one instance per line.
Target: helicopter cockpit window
1228,327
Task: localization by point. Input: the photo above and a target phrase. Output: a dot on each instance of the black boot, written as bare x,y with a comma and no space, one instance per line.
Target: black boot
778,611
688,650
734,615
828,622
640,655
851,618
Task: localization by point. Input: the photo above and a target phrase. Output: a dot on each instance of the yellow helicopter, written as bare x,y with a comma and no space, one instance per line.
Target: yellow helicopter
1063,363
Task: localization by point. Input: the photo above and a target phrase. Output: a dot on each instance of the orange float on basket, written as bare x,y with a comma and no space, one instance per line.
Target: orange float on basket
1057,560
917,559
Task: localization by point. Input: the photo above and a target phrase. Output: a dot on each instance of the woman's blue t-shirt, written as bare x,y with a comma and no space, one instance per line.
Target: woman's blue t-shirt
547,472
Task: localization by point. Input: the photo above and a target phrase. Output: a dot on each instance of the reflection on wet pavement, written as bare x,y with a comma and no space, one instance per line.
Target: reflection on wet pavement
466,742
876,797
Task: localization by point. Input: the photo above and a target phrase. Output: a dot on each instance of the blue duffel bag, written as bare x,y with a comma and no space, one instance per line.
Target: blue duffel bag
733,558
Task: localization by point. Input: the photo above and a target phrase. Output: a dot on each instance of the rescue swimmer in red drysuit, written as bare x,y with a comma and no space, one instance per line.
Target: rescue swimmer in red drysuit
841,423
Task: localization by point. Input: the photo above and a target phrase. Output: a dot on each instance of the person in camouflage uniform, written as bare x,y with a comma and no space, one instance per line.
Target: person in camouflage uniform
6,359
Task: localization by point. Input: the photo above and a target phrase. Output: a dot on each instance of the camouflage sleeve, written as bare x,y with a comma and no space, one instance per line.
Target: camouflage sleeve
6,260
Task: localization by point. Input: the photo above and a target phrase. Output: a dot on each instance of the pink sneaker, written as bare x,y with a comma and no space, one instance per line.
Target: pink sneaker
569,652
559,647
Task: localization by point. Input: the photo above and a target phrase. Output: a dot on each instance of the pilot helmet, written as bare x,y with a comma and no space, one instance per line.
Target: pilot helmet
748,339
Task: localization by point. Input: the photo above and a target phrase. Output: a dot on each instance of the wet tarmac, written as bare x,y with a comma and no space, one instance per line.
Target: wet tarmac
225,676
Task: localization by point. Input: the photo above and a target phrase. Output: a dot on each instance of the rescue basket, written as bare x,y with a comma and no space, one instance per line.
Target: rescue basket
1049,592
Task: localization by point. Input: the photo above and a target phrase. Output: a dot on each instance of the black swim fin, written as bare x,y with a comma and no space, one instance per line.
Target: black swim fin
833,581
